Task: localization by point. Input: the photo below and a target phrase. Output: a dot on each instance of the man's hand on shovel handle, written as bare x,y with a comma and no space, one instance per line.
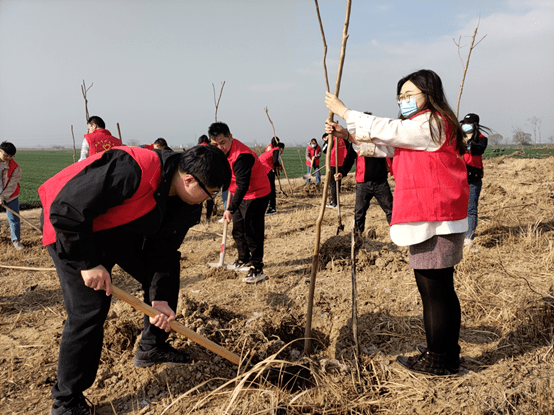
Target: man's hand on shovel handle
97,278
162,320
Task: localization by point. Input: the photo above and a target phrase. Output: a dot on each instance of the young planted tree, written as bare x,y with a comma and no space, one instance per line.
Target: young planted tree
315,262
465,64
535,124
216,102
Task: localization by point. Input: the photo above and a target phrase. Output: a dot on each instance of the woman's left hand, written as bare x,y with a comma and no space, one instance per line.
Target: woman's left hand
335,105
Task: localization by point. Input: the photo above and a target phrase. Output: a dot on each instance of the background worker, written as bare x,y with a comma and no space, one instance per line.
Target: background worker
98,138
371,181
476,146
313,153
342,150
250,196
10,175
132,207
159,144
272,144
272,162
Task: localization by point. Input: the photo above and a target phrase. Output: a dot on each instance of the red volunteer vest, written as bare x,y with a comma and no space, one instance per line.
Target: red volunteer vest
474,161
312,152
430,185
133,208
259,183
269,147
101,140
342,152
266,159
12,165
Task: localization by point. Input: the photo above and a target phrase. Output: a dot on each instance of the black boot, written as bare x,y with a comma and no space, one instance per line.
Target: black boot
428,363
451,361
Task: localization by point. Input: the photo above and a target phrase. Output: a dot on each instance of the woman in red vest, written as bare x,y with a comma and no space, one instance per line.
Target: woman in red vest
430,202
10,175
313,153
476,145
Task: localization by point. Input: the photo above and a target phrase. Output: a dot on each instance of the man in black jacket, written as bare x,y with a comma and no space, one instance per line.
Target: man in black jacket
371,181
132,207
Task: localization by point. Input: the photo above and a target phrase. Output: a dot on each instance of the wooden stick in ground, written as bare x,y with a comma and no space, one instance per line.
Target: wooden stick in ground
354,291
119,133
282,163
19,216
178,327
315,262
74,149
340,226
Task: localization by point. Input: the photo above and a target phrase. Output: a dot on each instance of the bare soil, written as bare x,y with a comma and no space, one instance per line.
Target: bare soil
505,284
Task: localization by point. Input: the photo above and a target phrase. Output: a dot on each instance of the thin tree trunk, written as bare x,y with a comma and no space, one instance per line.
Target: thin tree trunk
315,262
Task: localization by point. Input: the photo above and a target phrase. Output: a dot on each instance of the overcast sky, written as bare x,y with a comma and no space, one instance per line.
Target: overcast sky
153,64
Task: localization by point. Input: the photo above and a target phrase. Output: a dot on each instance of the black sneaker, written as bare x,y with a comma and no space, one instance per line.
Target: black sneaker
164,354
271,211
77,406
254,276
241,266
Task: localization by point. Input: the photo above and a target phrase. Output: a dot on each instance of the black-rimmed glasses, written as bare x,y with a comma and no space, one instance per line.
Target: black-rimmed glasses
204,188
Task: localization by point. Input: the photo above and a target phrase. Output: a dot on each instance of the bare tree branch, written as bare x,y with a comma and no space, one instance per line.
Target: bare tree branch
218,99
472,46
84,91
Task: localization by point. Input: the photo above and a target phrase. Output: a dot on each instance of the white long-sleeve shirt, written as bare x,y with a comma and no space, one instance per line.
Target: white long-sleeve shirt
377,137
84,150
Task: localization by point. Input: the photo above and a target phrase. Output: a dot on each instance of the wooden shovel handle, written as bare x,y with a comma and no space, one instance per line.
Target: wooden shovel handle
178,327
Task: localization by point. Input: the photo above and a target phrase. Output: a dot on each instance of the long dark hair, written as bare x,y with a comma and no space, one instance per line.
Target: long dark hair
431,85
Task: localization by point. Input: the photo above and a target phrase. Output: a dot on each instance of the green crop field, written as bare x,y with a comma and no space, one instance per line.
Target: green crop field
39,165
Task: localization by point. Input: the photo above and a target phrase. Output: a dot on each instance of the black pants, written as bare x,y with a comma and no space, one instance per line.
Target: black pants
364,193
333,185
271,177
441,309
82,337
249,230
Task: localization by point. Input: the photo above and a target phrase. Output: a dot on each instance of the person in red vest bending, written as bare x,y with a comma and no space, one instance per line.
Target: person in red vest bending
132,207
272,144
10,175
342,150
430,203
272,162
98,138
159,144
250,195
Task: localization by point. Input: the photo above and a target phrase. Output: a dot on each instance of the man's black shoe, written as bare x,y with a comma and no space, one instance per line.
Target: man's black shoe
77,406
166,355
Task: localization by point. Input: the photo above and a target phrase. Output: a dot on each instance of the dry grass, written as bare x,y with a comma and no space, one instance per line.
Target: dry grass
505,285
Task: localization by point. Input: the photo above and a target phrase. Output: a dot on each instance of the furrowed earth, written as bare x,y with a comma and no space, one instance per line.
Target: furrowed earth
505,284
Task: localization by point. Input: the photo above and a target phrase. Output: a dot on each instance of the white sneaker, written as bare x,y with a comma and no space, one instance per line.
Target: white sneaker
220,220
254,276
467,242
18,245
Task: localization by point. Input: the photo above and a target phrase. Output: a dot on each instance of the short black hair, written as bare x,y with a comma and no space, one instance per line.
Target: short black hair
209,163
203,139
161,142
281,145
95,119
218,128
8,148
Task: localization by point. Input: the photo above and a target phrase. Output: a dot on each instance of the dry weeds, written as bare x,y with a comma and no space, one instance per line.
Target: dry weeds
505,284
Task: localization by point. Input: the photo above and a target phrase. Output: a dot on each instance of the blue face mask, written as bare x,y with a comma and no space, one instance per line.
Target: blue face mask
467,128
408,107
